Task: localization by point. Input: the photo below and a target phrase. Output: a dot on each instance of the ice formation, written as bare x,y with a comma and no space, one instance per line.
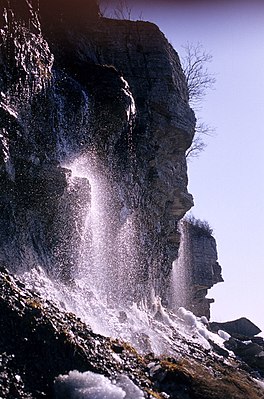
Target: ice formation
89,385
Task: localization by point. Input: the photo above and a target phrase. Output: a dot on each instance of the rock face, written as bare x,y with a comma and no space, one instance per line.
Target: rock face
200,261
243,342
78,75
242,328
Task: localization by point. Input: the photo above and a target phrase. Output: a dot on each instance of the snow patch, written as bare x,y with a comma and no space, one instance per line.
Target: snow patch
198,327
131,390
187,316
224,335
88,385
204,320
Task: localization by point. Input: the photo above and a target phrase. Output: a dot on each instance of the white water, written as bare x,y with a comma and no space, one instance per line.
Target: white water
180,275
106,290
104,293
108,254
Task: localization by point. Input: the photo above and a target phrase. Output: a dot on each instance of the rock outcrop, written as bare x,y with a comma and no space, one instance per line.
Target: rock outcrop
78,75
243,341
199,260
242,328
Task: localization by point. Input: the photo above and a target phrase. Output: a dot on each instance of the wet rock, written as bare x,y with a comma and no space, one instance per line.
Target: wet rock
242,328
186,379
39,342
251,353
202,271
218,349
258,340
107,87
117,348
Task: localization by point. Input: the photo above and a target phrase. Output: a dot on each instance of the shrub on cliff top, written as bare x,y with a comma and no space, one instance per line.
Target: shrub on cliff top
200,226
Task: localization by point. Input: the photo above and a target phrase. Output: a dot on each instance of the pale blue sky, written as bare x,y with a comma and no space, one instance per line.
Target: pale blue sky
227,181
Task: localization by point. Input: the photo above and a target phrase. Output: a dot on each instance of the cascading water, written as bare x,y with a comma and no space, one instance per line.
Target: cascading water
79,235
106,250
90,194
109,249
104,288
180,276
96,273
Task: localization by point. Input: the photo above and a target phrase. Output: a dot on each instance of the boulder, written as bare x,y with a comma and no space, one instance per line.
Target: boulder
251,353
242,329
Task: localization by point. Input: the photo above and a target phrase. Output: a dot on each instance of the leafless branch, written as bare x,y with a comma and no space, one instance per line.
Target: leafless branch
199,81
198,77
122,10
117,10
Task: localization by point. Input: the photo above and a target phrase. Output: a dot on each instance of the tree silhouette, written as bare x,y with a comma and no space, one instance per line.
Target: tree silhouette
199,81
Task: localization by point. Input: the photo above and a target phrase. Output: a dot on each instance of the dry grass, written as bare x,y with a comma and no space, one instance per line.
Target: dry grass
212,381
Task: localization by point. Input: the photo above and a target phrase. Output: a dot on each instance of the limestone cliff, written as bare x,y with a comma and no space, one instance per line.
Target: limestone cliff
200,261
114,88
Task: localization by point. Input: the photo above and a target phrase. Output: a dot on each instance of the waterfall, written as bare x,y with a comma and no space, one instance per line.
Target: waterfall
109,251
105,287
180,275
79,236
93,181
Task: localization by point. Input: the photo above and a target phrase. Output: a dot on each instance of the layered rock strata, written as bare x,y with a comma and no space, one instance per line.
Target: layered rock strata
113,88
202,269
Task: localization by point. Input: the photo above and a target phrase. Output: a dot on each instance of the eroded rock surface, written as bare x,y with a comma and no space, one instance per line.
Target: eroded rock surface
111,88
39,342
199,259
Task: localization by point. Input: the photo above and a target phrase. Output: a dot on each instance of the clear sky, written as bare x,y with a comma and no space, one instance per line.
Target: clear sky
227,180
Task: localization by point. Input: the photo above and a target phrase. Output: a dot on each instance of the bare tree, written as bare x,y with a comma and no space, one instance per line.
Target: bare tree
116,9
198,143
199,81
122,10
103,6
198,77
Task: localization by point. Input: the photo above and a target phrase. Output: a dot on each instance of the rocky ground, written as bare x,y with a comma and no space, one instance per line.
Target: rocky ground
38,342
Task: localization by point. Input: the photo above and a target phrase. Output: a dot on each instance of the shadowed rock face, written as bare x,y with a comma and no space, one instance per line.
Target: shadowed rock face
75,12
54,13
241,329
202,268
72,88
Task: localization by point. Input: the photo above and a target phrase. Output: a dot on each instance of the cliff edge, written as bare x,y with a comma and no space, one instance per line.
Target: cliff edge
112,88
